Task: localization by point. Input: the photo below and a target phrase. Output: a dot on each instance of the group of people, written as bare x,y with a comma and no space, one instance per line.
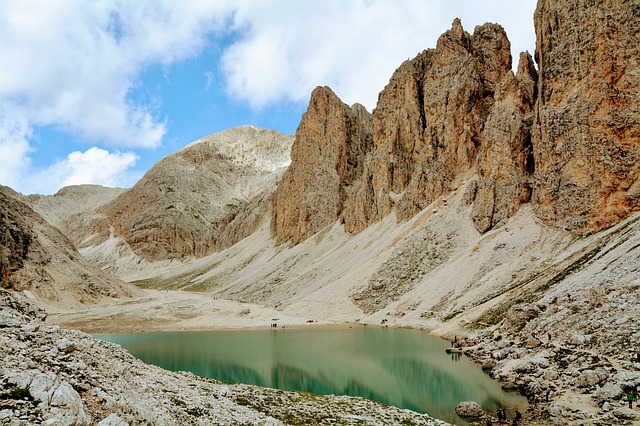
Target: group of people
502,416
455,343
535,336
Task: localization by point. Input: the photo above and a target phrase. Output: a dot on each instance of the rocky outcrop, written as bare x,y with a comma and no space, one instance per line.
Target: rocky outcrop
205,197
505,161
428,121
39,260
427,129
54,376
586,136
326,159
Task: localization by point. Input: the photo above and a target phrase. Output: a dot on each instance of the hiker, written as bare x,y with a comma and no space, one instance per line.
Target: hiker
549,336
518,416
630,399
501,415
547,391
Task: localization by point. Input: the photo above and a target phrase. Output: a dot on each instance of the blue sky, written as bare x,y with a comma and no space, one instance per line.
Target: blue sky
99,91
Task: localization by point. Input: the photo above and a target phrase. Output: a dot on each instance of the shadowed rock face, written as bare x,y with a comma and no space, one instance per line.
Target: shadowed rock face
586,134
36,257
505,160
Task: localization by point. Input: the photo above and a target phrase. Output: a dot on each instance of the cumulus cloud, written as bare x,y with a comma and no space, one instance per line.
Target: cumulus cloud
74,63
286,49
95,166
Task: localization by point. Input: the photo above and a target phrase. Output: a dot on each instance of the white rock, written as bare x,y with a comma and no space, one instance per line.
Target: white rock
41,387
65,345
112,420
469,409
577,339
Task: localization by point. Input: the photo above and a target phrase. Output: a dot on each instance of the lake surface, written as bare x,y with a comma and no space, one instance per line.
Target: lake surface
405,368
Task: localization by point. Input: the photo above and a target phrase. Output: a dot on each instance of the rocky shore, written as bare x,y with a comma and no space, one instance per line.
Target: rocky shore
52,376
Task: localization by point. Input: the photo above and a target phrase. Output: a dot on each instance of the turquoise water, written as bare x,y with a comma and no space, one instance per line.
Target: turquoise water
405,368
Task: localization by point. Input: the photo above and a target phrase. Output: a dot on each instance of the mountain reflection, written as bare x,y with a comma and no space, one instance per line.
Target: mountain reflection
405,368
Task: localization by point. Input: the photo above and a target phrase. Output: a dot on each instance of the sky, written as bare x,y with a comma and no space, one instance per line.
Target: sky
96,92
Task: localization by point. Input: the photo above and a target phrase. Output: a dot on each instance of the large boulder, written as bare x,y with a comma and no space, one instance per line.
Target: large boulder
469,409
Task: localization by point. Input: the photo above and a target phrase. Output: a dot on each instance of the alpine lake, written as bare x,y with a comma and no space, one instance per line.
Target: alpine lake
401,367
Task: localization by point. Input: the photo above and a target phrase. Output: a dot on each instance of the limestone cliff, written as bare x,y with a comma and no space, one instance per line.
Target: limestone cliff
426,130
565,139
586,134
429,119
326,159
505,158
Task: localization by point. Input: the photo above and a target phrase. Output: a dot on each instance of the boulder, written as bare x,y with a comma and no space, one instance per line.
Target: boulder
113,420
518,316
625,413
589,378
469,409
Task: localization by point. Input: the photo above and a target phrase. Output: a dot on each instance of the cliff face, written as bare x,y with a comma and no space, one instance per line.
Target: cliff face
326,159
566,138
587,125
505,159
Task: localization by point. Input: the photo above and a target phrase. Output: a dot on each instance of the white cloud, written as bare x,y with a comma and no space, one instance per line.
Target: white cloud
14,149
74,63
95,166
288,48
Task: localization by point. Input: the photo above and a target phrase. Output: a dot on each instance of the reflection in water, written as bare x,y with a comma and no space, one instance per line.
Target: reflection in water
405,368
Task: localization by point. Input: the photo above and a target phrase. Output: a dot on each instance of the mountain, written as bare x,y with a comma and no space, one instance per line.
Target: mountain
473,200
39,261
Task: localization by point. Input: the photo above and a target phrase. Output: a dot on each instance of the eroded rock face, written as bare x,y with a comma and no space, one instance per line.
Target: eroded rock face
505,161
38,259
326,159
429,119
566,139
586,135
427,129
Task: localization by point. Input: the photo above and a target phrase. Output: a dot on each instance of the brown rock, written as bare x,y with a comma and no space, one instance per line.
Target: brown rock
326,158
36,257
505,163
428,122
586,132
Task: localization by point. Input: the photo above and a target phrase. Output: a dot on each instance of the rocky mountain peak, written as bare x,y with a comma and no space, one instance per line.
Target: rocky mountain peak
587,132
564,138
326,158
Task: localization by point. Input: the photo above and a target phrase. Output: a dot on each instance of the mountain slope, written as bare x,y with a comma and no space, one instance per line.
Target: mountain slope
39,261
